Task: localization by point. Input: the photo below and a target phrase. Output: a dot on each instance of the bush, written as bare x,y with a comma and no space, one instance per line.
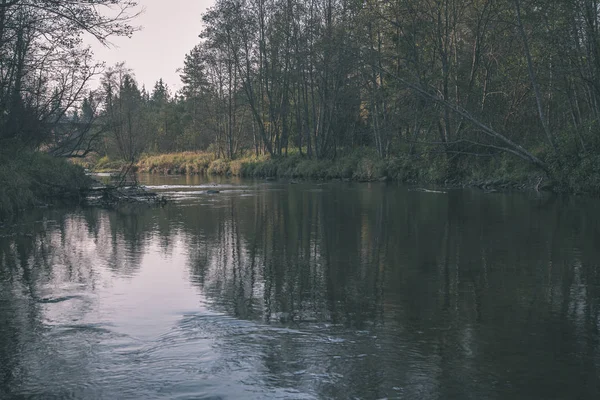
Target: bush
314,169
263,169
287,166
578,175
427,165
15,190
235,167
105,164
27,179
344,167
369,169
219,167
404,168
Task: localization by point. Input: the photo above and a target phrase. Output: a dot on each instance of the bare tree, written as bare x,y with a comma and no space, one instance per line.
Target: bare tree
44,67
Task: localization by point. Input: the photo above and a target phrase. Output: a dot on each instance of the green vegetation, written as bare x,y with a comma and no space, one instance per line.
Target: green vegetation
358,165
34,179
487,93
496,93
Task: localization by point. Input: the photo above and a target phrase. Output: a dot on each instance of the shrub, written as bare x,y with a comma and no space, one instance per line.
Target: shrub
219,167
236,167
27,179
404,168
369,169
263,169
105,164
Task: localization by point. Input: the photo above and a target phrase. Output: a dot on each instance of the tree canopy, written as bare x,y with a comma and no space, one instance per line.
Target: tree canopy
449,81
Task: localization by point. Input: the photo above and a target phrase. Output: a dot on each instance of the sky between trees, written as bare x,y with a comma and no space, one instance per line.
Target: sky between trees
169,30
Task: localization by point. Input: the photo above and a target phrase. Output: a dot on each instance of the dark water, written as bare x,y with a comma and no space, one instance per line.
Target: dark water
273,290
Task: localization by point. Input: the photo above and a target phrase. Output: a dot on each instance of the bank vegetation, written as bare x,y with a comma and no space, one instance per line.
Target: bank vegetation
440,91
443,91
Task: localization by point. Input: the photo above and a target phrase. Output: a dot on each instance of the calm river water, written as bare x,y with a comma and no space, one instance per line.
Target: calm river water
304,291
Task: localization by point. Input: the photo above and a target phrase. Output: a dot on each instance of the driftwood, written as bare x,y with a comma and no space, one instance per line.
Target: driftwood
427,191
109,195
537,185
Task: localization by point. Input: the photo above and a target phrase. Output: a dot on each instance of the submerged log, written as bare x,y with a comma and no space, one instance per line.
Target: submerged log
427,191
114,195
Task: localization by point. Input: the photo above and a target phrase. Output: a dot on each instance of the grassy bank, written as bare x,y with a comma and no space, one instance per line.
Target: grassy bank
361,165
355,166
29,179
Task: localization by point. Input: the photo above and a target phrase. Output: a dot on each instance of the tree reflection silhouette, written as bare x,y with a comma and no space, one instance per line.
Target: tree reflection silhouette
461,293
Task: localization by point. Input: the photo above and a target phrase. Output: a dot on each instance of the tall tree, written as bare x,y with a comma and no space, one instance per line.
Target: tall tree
44,67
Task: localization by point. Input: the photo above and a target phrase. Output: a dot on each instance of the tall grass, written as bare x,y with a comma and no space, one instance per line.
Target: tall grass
176,163
361,164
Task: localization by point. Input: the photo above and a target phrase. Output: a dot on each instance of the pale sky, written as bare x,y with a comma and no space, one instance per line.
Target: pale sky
170,31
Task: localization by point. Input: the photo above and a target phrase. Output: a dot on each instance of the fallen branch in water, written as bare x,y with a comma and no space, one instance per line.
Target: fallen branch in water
427,191
113,195
537,186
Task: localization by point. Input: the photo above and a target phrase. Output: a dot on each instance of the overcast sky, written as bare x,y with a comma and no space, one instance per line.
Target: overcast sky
170,31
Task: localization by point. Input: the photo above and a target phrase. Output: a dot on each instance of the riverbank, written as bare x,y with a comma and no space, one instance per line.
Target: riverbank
29,179
500,173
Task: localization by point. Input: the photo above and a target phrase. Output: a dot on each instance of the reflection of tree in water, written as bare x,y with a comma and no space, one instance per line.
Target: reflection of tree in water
50,257
480,278
462,288
467,278
293,256
126,234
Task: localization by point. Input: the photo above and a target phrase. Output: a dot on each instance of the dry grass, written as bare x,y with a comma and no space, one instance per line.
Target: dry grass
176,163
358,165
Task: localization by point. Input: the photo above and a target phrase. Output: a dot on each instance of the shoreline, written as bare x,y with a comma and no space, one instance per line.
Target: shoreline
37,180
354,167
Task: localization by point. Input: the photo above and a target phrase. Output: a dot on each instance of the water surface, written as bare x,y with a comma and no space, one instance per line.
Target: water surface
304,291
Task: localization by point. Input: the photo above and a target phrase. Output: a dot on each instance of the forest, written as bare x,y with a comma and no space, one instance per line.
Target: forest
440,91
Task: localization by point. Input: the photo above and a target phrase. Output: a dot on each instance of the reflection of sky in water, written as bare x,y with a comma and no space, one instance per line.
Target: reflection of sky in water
348,291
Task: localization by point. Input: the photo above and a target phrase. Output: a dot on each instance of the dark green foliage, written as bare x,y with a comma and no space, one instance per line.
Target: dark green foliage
28,179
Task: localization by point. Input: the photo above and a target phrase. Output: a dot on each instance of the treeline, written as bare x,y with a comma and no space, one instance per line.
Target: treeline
454,85
453,77
452,82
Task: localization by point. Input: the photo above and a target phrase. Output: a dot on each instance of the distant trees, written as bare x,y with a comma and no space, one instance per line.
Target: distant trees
437,80
447,77
197,100
126,113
